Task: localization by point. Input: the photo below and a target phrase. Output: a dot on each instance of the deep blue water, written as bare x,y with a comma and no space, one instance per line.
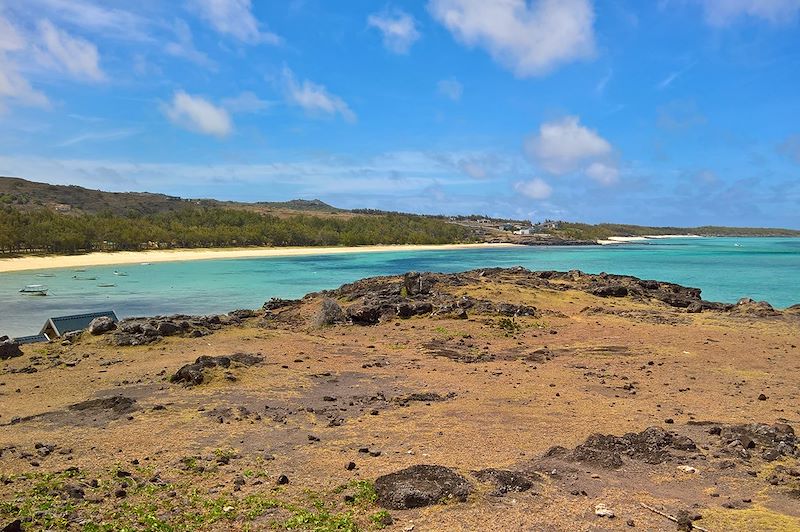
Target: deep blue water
761,268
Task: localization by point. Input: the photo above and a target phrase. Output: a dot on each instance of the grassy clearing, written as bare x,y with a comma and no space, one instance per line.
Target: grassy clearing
49,501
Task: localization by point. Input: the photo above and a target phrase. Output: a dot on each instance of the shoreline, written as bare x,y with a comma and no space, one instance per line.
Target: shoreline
112,258
644,238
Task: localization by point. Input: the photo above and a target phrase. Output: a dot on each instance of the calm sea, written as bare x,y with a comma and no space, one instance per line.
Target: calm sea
724,268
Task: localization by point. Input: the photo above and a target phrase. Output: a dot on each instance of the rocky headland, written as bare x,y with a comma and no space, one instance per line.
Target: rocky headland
493,399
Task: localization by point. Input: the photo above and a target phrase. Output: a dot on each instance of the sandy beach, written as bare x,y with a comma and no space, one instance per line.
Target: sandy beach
41,262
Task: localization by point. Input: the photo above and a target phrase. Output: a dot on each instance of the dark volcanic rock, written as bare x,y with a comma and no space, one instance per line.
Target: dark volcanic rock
119,404
610,291
101,325
13,526
9,349
651,446
192,374
329,313
141,331
403,296
417,283
772,440
506,481
420,485
276,303
364,314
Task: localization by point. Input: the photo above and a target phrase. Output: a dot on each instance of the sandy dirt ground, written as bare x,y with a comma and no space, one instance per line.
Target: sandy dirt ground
333,408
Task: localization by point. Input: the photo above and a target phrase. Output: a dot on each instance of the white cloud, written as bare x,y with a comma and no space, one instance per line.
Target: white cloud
198,114
313,98
92,16
564,145
345,176
183,47
96,136
600,88
670,78
725,12
398,28
73,55
603,173
450,88
246,102
529,37
536,188
13,85
234,18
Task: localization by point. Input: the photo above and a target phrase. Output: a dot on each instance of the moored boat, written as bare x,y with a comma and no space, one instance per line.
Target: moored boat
34,290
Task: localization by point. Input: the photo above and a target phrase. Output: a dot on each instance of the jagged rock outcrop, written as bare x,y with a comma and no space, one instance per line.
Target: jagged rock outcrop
653,446
142,331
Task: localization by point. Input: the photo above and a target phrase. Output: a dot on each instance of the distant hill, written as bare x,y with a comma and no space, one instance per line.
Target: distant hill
601,231
44,218
22,194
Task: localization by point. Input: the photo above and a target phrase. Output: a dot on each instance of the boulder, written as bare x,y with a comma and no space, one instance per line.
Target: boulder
329,313
364,314
168,328
102,325
9,349
192,374
415,283
420,485
610,291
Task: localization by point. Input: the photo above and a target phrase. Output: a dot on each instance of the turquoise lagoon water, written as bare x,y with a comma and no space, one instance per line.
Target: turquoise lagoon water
724,268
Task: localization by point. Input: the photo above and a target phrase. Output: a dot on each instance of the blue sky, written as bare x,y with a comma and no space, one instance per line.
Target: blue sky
680,112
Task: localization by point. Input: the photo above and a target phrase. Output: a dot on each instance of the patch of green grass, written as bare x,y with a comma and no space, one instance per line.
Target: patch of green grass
381,519
228,454
509,325
321,519
364,492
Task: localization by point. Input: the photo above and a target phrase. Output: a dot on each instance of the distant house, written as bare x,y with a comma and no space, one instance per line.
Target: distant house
34,339
59,326
523,232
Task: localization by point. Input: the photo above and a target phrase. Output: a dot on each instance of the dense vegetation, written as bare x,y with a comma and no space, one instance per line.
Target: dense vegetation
192,227
580,231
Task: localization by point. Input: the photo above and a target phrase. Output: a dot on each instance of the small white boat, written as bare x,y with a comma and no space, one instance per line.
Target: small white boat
84,278
45,275
120,274
106,285
34,290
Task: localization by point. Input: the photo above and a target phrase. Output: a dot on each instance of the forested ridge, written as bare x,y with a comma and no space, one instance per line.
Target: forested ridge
200,227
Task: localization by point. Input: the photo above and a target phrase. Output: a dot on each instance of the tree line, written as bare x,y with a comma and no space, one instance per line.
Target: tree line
200,227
